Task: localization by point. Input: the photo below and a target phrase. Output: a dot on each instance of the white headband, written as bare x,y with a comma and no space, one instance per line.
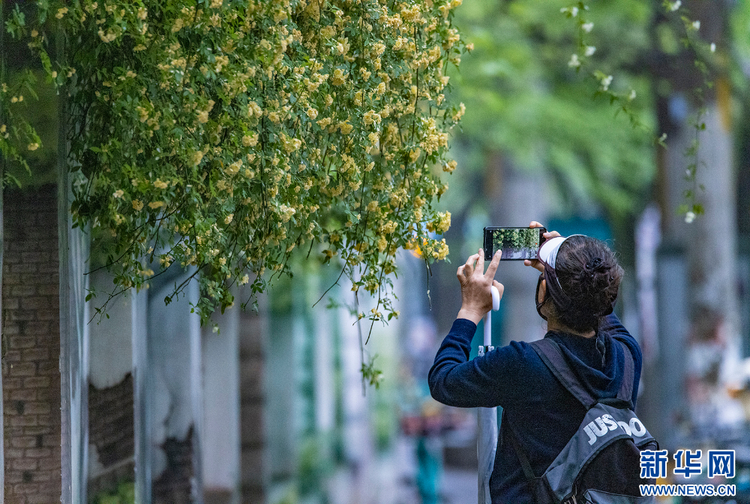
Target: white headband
548,250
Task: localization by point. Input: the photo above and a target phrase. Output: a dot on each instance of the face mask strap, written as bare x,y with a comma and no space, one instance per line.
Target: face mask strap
536,297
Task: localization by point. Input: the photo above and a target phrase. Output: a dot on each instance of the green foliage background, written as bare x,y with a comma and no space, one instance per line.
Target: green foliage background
526,101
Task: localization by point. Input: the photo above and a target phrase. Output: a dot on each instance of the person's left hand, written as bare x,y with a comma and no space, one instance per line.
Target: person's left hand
476,294
535,263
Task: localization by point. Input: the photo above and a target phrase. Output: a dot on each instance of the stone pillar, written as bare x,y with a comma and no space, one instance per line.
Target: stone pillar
111,416
221,409
254,467
168,398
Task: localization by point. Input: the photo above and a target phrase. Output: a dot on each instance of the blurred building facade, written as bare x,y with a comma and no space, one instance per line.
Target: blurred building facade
145,405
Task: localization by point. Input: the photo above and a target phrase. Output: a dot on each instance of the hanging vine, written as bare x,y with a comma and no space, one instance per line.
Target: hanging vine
223,135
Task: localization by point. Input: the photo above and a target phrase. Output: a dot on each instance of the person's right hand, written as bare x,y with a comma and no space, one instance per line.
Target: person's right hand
535,263
476,284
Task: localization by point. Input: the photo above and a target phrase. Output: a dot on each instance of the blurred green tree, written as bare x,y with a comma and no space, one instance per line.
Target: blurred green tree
527,101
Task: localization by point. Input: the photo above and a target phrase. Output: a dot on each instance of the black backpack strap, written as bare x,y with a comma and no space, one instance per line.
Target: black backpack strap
551,354
520,452
538,486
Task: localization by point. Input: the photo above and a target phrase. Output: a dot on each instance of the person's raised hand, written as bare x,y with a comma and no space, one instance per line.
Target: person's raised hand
476,284
535,263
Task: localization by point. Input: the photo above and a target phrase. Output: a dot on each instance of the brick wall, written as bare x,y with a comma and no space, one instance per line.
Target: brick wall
31,347
112,433
174,486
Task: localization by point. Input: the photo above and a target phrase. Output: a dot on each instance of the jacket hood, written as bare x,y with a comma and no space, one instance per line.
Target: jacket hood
595,361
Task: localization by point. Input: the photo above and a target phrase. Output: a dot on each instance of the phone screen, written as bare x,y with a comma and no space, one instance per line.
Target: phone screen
516,243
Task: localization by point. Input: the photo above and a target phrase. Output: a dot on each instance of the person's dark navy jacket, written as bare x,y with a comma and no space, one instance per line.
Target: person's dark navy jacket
543,413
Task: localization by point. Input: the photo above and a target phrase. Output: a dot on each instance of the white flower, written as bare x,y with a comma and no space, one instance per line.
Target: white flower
631,96
590,50
606,81
713,47
574,62
689,217
696,25
675,5
573,11
587,27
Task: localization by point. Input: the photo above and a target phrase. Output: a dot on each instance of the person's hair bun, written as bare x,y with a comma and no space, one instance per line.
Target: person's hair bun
590,277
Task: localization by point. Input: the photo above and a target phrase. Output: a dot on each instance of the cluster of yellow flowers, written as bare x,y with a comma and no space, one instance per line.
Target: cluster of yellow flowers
232,133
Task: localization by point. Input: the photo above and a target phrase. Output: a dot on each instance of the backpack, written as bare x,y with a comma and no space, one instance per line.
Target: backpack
601,462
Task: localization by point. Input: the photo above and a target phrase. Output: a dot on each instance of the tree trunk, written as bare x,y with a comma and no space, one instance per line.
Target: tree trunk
712,338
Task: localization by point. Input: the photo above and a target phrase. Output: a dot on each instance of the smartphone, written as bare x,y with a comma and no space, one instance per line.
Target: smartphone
517,243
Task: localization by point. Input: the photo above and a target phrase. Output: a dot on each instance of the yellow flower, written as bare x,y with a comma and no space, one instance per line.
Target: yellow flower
118,193
61,12
442,224
228,218
221,62
389,227
142,113
234,168
290,144
107,37
137,205
250,140
203,116
345,127
160,185
33,146
461,111
197,158
156,204
286,213
312,113
382,244
254,110
339,77
371,117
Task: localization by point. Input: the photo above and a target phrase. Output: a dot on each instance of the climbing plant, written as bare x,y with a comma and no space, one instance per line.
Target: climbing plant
223,136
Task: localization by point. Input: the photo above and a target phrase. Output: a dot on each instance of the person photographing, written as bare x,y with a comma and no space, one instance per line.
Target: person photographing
542,411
